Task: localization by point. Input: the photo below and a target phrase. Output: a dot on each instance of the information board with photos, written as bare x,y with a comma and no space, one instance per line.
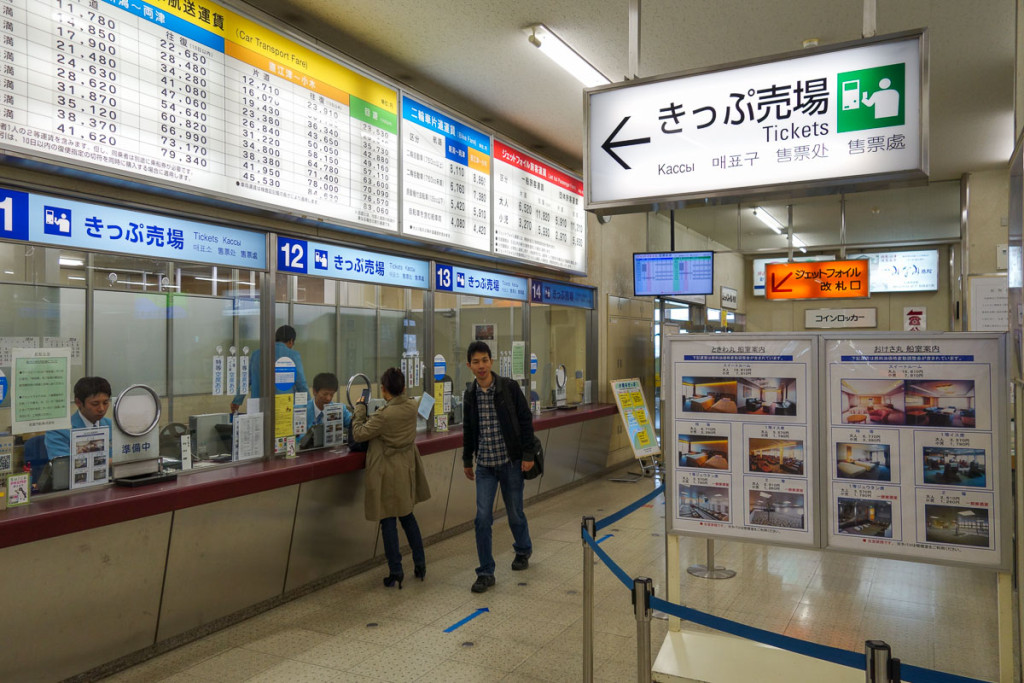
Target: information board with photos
916,459
742,447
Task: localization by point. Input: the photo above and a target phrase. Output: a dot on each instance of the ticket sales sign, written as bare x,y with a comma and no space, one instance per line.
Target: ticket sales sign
817,280
854,112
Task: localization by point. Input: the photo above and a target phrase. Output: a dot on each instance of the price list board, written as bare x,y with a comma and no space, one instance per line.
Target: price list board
446,167
538,212
916,458
195,96
741,447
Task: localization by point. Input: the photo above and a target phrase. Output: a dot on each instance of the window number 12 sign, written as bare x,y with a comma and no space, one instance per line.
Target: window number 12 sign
291,255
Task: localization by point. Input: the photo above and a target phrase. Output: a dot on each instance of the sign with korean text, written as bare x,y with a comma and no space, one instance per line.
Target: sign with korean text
196,97
350,263
561,294
848,112
538,211
740,428
72,224
479,283
825,318
917,466
636,418
817,280
446,178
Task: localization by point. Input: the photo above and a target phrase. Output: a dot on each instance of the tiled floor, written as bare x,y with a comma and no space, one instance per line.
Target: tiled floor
357,630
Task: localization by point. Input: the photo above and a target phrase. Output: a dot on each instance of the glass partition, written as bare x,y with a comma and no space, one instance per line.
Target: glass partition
128,320
558,336
460,319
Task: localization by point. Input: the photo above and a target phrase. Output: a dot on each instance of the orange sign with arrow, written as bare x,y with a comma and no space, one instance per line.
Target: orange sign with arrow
817,280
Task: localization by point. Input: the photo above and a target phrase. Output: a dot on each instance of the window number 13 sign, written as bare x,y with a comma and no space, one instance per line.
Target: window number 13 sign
291,255
443,278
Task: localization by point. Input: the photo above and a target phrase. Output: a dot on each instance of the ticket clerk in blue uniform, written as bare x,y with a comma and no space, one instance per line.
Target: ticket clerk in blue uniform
325,386
284,341
92,396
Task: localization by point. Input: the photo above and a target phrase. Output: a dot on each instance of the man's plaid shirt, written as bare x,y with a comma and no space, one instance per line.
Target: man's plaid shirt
491,450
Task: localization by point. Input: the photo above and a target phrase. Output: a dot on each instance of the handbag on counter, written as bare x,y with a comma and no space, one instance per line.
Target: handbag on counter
537,451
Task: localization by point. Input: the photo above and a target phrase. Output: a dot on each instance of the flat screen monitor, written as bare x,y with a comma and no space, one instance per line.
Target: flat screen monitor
673,273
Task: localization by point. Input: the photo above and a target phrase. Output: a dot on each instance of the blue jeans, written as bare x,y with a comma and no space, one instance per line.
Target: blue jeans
389,533
510,477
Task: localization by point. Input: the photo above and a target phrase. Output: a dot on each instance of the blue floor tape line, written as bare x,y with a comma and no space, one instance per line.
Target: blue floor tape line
629,509
854,660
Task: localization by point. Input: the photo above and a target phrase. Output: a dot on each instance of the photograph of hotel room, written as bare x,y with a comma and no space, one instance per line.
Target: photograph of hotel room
704,502
956,525
872,401
711,452
940,403
954,466
776,456
859,517
784,510
863,461
746,396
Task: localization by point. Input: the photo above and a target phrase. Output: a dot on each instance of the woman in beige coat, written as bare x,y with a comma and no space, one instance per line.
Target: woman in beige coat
395,480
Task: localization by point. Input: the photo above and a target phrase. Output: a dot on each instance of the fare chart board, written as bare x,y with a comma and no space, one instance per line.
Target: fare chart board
741,450
195,96
916,458
538,211
446,168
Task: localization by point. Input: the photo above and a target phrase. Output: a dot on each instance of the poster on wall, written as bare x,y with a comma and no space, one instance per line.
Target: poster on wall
743,447
916,462
42,389
629,396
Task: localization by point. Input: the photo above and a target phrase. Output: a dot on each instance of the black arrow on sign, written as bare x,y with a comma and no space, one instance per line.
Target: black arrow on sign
609,145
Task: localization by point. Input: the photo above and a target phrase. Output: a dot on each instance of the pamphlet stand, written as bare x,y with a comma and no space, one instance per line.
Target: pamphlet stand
709,570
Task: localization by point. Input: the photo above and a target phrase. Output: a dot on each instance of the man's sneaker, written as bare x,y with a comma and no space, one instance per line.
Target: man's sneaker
482,583
520,563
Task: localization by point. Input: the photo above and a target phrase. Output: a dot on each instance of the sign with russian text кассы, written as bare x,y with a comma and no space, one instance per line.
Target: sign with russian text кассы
852,112
817,280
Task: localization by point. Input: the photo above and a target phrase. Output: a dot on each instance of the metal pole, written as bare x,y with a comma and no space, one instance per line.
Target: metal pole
589,526
643,588
877,653
709,570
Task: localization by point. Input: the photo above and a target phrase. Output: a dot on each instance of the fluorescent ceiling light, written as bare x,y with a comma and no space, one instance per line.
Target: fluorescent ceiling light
70,262
769,220
799,244
76,277
564,56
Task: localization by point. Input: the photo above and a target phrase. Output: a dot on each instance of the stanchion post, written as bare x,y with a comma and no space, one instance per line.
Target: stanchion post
643,588
590,527
878,656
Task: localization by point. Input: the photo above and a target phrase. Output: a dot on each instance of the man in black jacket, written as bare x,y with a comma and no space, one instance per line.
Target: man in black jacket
497,428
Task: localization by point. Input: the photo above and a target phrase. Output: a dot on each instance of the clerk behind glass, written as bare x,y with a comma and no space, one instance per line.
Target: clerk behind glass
92,396
325,386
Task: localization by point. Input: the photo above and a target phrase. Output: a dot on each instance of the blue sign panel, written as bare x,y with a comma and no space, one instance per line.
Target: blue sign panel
93,227
284,374
479,282
350,263
561,294
459,136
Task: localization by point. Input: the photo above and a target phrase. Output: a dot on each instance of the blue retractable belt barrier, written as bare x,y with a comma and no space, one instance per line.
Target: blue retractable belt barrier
855,660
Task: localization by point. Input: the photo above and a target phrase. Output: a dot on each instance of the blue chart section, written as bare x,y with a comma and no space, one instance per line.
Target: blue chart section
179,26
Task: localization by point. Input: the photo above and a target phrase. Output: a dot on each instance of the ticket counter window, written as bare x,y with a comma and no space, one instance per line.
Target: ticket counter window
351,328
558,337
170,326
459,320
